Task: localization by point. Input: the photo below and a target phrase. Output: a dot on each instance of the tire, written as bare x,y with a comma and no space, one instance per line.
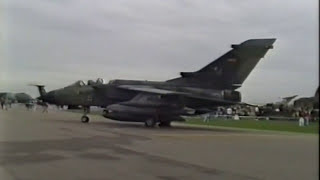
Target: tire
85,119
104,113
150,122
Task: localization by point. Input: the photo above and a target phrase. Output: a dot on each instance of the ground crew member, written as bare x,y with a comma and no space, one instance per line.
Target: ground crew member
206,118
301,121
2,102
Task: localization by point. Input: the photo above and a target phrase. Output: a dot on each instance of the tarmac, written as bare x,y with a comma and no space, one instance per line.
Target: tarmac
56,145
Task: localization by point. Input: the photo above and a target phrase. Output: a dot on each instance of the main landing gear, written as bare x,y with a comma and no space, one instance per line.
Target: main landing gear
151,122
165,124
85,118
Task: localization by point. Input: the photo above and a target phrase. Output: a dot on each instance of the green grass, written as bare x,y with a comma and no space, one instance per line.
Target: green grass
274,125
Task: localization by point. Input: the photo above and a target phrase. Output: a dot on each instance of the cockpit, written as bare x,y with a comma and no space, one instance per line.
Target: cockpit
112,82
81,83
98,81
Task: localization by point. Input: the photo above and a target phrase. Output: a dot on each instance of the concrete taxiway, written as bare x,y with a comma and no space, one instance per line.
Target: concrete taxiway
55,145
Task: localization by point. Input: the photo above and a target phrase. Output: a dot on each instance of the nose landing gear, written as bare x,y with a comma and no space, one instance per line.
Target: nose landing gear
85,118
165,124
151,122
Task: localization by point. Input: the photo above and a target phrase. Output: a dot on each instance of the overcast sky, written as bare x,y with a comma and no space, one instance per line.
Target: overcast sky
56,42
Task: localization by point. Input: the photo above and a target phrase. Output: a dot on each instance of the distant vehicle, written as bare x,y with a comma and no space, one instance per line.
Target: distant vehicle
155,102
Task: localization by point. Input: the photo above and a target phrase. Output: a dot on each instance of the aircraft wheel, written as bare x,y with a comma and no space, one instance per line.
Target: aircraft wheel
165,124
150,122
105,113
84,119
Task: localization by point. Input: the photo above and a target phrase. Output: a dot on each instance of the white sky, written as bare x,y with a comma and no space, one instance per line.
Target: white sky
58,42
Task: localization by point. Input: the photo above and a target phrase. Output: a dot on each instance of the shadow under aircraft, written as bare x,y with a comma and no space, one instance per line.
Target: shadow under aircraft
155,102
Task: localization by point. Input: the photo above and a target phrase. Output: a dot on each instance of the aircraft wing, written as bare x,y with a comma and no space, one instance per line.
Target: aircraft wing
252,105
149,89
154,90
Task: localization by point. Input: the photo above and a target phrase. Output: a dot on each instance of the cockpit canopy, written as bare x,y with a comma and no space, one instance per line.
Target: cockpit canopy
98,81
79,83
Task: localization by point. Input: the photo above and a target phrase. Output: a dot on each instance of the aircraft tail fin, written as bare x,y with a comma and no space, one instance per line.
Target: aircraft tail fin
317,93
231,69
288,99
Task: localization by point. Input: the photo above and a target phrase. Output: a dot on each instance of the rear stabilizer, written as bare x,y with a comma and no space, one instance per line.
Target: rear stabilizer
231,69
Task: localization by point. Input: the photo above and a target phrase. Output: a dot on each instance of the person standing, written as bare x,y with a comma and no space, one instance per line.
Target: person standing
257,111
45,108
301,118
206,118
307,118
301,121
2,102
5,103
229,112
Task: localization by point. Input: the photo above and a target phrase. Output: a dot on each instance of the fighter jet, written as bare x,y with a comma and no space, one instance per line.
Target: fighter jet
287,100
308,102
162,102
284,103
10,98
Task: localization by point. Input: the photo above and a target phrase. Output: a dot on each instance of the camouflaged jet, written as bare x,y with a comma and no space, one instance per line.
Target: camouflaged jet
161,102
308,102
10,98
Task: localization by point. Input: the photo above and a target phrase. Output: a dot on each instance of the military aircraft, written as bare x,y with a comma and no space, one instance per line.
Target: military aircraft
286,100
284,103
155,102
10,98
308,102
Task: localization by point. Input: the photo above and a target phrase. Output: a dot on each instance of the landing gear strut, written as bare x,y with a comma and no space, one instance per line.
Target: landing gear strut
85,118
165,124
151,122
